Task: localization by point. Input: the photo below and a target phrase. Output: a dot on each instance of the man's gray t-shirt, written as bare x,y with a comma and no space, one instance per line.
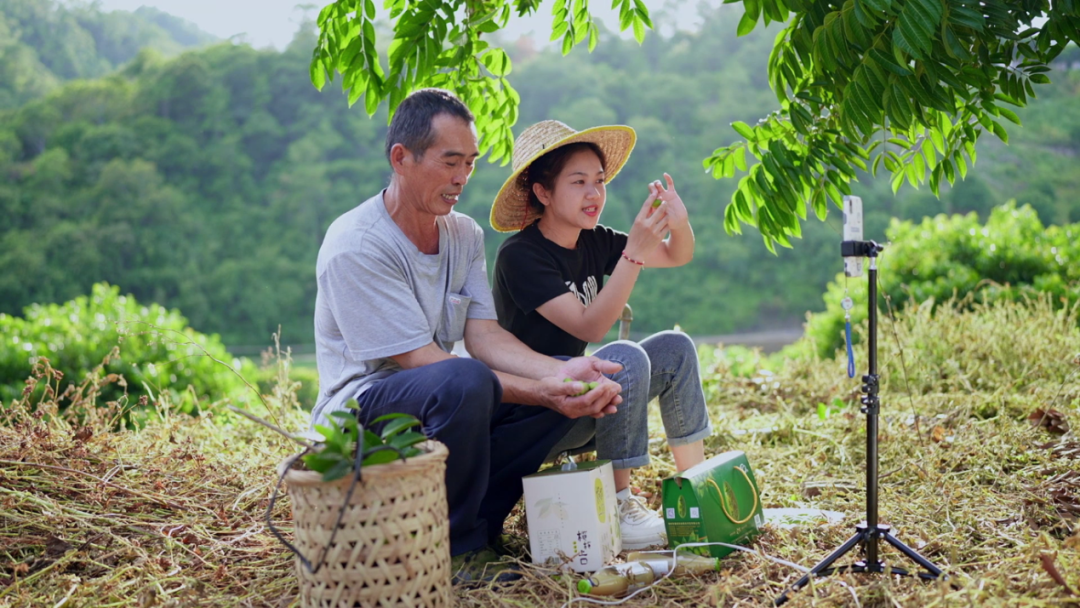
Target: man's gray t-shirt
378,296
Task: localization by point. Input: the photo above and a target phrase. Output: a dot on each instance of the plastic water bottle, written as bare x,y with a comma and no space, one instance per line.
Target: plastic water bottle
685,563
617,579
642,569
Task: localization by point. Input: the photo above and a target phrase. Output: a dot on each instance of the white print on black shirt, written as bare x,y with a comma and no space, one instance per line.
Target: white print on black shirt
588,292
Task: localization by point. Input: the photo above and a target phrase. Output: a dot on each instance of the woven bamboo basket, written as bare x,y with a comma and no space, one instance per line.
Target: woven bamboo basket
393,545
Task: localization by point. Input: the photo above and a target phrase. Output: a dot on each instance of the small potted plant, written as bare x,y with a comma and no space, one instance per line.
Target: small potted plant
371,525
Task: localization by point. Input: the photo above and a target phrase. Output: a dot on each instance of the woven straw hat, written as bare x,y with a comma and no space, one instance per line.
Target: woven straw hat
511,210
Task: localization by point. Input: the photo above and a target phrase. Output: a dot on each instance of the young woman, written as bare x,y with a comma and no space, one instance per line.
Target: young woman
550,292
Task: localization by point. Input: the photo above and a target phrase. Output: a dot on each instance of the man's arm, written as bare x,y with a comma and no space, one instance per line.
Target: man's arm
425,355
530,378
502,351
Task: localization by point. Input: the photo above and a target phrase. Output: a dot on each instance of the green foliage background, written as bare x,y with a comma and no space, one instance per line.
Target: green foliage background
1010,257
157,353
205,182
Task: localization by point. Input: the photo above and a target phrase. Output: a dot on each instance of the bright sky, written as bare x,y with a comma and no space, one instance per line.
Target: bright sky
273,22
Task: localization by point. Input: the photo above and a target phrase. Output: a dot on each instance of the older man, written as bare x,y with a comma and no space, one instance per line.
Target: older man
401,278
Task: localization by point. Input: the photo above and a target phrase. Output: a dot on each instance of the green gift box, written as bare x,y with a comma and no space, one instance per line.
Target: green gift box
715,501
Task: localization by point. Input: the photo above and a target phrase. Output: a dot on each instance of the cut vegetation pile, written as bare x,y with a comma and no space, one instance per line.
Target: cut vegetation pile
980,472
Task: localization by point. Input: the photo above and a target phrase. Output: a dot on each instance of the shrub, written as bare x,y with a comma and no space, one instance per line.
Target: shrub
151,350
1012,257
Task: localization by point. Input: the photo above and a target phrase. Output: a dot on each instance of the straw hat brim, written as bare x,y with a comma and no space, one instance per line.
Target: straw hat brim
511,210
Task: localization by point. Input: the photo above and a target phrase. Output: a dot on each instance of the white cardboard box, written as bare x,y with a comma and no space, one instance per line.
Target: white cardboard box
572,515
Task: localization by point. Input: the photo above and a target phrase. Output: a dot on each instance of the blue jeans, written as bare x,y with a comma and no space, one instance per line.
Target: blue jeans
492,444
664,365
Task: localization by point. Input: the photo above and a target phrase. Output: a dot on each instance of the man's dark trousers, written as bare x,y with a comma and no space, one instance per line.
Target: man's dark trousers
492,444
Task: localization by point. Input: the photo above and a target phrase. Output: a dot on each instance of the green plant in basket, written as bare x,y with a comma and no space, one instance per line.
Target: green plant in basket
339,453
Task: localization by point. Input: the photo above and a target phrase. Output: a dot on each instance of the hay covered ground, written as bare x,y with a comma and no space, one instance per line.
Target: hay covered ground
980,472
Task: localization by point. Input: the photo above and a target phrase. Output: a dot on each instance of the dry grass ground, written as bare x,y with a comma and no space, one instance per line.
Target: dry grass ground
172,515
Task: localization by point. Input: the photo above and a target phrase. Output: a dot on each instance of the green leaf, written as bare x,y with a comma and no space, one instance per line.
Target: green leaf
883,59
920,166
743,129
999,131
746,24
371,440
338,470
497,62
324,460
902,44
950,170
897,181
1009,115
639,31
731,223
380,457
938,139
559,29
953,45
909,172
966,17
740,159
864,16
407,439
318,75
643,15
371,98
396,426
834,194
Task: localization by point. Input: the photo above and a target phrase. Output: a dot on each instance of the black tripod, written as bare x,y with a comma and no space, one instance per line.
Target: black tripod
869,532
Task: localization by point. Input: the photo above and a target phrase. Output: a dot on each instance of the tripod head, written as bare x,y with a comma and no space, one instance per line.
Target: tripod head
860,249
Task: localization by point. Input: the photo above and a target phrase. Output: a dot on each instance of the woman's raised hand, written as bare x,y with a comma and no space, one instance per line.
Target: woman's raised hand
671,201
661,208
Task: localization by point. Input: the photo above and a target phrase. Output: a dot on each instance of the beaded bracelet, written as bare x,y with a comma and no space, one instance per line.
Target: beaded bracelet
632,260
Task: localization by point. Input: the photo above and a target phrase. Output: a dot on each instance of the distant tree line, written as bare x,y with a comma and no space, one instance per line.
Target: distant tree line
46,42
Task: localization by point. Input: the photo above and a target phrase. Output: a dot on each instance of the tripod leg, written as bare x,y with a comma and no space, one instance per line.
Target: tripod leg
822,565
908,551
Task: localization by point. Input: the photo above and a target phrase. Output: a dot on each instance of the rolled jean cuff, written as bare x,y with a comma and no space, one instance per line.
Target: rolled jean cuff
675,442
630,463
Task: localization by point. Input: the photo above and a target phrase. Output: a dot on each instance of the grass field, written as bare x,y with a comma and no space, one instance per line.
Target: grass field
980,472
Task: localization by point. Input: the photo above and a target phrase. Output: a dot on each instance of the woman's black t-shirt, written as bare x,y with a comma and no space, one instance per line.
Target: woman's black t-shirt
531,270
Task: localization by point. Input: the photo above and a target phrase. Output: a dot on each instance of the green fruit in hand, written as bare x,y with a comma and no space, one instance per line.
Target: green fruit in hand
588,386
656,203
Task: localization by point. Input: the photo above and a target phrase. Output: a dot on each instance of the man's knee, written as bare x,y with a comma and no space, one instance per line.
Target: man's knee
471,380
464,399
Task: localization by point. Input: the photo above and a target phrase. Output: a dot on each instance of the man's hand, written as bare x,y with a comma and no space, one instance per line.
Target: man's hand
566,398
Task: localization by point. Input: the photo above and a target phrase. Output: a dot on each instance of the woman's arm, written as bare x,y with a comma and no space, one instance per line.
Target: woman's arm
591,323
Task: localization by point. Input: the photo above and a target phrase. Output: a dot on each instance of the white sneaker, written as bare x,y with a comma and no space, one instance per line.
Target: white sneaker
641,527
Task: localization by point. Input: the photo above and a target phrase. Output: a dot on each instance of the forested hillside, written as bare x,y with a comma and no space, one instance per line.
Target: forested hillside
205,182
45,42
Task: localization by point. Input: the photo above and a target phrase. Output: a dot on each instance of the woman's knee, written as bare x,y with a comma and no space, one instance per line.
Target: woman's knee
675,340
630,355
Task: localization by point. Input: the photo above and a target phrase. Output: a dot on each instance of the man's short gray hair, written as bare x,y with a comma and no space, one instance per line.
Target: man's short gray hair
411,125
